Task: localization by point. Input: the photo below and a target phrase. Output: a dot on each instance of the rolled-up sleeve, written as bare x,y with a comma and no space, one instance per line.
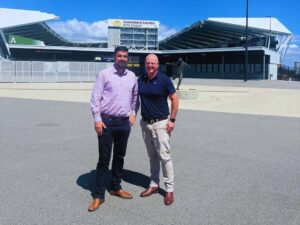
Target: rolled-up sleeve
96,97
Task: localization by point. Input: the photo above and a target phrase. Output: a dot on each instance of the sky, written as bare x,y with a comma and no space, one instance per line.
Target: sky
85,20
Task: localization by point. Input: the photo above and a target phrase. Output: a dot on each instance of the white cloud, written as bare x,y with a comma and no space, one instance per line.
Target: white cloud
294,51
75,30
164,32
293,46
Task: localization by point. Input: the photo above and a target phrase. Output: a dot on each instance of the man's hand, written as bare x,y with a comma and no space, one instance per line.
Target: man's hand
170,127
99,126
131,119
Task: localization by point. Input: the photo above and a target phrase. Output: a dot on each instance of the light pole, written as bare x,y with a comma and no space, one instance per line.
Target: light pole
246,46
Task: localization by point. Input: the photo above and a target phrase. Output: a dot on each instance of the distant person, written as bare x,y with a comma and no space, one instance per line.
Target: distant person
180,64
114,106
155,88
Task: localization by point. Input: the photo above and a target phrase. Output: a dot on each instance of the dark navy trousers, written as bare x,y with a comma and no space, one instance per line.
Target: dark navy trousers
115,137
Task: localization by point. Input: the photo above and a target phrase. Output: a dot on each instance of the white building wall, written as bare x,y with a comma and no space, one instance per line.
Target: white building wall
273,69
114,35
273,66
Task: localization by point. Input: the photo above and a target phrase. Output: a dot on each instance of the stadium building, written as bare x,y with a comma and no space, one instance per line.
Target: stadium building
134,34
30,51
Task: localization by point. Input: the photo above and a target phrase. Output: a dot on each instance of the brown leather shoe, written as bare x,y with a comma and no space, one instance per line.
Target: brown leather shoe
94,205
169,198
149,191
122,194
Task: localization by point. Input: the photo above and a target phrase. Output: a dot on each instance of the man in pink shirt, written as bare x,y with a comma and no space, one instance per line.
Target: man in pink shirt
114,104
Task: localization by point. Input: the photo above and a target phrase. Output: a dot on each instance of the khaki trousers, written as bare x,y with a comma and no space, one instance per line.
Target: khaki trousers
157,142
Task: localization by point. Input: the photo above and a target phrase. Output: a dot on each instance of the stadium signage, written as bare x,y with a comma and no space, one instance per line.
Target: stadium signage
133,23
19,40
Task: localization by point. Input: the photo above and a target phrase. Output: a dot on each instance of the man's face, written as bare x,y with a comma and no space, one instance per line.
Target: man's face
151,65
121,59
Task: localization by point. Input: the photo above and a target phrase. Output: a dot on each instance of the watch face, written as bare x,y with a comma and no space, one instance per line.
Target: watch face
172,120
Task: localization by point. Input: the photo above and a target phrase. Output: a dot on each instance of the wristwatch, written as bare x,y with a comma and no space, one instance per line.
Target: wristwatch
172,120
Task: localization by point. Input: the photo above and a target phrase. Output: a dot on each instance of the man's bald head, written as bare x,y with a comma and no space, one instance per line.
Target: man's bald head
151,65
152,57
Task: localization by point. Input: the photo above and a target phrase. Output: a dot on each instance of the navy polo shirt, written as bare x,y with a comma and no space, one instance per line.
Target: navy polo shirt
154,95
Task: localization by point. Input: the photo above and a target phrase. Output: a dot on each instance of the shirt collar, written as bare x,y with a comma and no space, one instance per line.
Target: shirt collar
120,74
146,78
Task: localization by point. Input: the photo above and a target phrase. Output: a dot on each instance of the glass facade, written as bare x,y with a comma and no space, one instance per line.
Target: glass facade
134,34
139,38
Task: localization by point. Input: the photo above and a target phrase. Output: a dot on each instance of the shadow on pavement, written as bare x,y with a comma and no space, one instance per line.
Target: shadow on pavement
138,179
88,180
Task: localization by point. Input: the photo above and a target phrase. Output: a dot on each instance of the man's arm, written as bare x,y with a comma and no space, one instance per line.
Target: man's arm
134,104
174,109
95,103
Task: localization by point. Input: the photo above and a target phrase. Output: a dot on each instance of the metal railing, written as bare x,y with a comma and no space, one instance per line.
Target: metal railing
38,71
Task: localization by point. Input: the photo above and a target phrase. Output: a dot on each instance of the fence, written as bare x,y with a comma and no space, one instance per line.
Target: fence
37,71
288,73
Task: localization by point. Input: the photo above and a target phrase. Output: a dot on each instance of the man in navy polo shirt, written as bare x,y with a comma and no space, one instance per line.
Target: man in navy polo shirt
157,124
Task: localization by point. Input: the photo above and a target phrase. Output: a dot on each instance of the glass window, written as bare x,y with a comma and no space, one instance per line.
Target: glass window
152,31
192,68
134,59
215,68
227,68
126,42
237,68
139,37
163,68
126,36
209,68
252,68
221,67
232,67
242,67
258,68
249,68
152,37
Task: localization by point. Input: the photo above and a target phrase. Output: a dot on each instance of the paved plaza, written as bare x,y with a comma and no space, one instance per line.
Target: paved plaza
236,153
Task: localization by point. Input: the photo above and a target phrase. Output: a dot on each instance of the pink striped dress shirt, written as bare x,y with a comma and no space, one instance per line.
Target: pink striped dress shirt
114,94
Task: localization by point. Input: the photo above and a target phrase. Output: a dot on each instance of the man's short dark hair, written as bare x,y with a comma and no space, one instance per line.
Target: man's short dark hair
121,48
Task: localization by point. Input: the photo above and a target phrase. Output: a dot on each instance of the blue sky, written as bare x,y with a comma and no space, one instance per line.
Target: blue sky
90,15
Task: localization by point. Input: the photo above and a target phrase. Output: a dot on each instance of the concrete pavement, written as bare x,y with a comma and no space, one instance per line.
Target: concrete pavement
230,168
270,98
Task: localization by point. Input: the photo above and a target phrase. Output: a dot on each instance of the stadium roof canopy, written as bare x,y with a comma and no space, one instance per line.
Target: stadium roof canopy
208,35
42,32
229,32
15,17
32,24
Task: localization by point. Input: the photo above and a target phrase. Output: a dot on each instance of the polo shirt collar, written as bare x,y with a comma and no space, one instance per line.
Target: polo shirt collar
154,78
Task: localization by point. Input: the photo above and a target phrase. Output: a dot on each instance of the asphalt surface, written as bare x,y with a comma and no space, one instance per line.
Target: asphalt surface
229,169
